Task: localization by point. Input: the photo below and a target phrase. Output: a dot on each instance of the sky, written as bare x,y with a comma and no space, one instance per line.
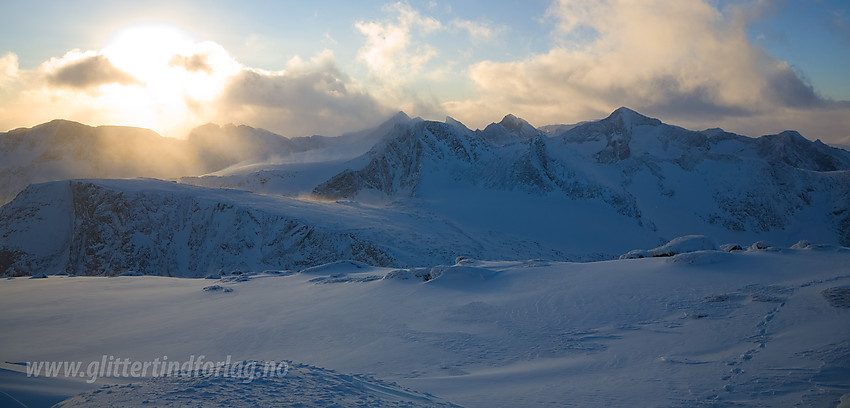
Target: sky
298,68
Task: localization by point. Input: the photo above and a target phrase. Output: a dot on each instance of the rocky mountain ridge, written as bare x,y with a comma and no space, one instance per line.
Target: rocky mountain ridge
426,192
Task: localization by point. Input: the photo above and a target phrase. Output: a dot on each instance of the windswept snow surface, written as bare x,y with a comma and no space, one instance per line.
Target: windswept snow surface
302,386
706,328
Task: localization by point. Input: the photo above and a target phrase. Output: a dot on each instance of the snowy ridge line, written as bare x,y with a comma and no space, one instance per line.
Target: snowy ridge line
626,171
114,227
62,149
155,227
127,227
417,192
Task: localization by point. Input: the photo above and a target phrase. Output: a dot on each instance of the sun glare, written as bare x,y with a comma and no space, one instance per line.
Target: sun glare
144,51
176,76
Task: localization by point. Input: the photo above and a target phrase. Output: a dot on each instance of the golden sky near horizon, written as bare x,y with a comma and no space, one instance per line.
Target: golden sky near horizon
299,71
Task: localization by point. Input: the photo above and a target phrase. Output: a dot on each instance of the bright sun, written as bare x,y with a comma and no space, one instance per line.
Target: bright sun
144,51
176,76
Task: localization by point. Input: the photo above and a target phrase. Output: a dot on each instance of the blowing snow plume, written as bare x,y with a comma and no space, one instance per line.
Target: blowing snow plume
63,149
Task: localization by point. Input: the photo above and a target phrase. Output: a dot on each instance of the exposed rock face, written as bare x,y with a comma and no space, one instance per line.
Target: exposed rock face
757,185
108,229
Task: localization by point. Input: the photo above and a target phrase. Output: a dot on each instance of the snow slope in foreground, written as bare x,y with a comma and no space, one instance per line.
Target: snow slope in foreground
708,328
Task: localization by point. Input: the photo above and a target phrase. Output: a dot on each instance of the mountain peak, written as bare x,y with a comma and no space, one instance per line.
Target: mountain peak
786,138
792,148
792,135
456,123
510,130
57,125
399,116
387,125
625,110
63,122
513,123
629,118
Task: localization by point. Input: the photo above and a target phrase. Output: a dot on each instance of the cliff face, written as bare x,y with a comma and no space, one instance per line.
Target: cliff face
145,226
110,229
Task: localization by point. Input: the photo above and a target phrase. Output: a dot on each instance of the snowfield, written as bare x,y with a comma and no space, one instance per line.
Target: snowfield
752,327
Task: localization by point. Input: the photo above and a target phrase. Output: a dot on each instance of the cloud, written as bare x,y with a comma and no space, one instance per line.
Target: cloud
838,24
686,62
400,62
8,68
677,60
476,29
173,84
192,63
389,50
306,98
9,83
79,70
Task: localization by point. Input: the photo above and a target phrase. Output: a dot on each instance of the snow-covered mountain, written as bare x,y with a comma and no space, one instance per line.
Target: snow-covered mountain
221,147
295,169
768,184
146,226
61,150
624,172
416,192
424,255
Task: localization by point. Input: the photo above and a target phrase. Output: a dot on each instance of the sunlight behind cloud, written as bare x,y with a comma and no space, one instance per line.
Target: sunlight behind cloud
157,77
144,51
179,76
151,76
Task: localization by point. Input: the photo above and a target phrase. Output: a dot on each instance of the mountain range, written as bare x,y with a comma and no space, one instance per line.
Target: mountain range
407,193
